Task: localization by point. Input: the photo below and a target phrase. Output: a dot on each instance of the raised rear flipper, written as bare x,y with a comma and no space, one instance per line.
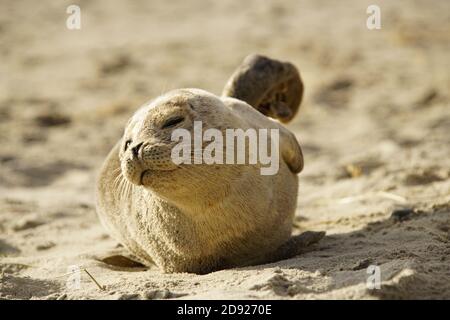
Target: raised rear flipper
272,87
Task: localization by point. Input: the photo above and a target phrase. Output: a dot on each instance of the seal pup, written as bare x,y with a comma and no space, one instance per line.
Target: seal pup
200,217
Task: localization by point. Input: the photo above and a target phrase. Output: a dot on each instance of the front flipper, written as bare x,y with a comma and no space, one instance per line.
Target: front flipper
297,245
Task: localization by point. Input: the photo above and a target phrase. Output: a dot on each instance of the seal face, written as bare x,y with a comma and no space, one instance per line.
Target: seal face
146,148
146,145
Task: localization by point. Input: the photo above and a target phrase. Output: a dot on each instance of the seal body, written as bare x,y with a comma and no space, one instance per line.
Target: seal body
200,217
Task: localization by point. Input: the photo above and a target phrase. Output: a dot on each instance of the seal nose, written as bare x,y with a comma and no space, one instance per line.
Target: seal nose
136,149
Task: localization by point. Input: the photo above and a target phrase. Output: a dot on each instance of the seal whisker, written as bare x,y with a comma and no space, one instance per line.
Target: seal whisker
129,189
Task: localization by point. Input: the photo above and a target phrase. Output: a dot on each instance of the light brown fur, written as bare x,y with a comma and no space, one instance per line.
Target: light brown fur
196,218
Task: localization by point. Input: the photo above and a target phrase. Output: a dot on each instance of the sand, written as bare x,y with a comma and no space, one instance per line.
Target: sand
374,127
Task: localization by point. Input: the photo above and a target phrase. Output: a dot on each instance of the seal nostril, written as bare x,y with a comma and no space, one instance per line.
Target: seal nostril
136,149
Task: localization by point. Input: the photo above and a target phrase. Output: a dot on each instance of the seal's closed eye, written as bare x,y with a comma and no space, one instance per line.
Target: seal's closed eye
172,122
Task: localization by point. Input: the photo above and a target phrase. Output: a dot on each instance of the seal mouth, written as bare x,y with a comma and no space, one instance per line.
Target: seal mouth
141,180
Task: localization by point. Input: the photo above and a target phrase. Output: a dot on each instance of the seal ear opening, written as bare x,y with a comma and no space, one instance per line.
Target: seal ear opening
272,87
